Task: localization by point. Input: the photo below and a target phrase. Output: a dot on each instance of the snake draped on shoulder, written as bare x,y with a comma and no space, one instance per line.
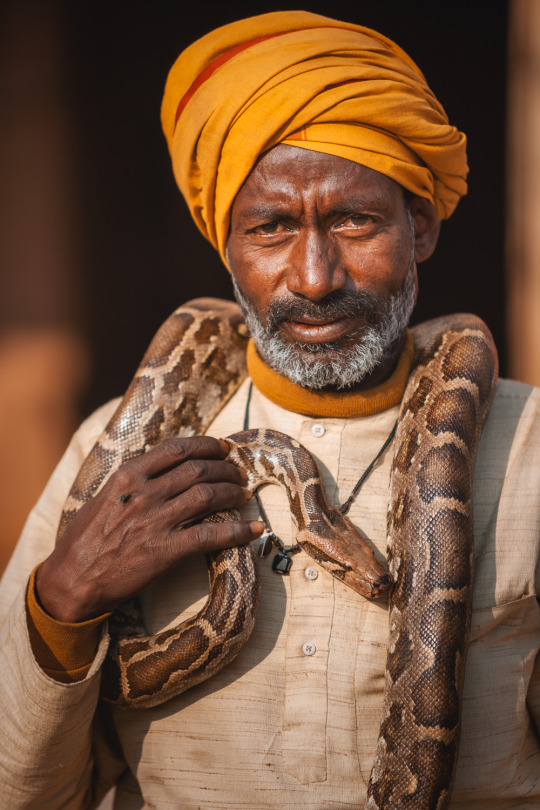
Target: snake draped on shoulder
192,367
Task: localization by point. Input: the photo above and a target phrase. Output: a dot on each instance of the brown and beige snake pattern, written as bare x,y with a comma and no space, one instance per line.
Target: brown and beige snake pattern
430,552
194,364
143,671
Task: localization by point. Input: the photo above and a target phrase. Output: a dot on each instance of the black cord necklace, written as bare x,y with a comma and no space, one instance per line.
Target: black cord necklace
282,562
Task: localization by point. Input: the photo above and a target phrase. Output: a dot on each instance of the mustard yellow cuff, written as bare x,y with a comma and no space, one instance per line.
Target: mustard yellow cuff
63,650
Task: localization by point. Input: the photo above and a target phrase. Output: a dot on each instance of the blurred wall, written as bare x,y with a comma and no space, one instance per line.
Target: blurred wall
96,245
43,359
523,168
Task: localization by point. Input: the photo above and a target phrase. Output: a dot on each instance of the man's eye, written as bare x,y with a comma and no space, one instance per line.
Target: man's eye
356,221
270,228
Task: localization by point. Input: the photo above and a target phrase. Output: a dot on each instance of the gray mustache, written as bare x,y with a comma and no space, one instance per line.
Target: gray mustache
341,304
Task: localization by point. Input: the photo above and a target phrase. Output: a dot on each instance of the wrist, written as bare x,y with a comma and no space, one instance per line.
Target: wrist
63,651
54,595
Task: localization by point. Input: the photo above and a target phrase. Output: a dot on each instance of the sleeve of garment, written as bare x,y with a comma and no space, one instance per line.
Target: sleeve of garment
57,747
63,650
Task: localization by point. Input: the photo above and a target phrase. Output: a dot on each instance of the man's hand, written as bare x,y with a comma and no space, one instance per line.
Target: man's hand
139,526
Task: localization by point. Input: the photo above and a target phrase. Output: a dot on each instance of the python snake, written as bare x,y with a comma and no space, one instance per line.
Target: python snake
193,365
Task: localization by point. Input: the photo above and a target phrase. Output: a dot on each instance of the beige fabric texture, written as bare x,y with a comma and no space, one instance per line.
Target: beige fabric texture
277,728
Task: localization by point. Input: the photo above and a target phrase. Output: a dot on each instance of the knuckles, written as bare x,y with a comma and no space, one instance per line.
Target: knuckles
199,536
173,449
122,479
196,471
203,495
178,450
205,537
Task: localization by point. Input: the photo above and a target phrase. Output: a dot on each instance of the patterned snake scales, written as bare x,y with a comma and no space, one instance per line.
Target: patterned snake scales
194,364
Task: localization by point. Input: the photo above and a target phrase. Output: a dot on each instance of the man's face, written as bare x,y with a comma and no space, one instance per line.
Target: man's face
321,250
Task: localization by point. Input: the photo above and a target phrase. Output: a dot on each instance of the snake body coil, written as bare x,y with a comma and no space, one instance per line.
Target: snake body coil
193,365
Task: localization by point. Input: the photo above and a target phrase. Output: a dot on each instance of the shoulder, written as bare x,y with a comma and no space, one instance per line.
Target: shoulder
512,428
507,497
511,390
515,409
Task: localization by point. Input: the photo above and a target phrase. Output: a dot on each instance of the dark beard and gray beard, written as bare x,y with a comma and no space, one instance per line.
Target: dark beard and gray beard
340,364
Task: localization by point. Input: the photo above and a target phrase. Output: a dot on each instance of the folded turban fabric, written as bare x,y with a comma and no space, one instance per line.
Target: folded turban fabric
302,79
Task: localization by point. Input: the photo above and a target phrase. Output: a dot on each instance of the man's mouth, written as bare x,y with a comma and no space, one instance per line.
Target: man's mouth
308,329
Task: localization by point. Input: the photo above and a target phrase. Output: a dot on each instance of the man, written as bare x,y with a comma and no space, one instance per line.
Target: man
316,159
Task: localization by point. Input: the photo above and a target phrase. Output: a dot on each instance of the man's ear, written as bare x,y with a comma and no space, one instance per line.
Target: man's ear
427,226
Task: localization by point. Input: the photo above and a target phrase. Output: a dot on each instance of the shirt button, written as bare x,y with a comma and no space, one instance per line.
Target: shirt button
311,573
318,430
309,648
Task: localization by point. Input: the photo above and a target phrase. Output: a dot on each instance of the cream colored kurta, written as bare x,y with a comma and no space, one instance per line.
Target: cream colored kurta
281,728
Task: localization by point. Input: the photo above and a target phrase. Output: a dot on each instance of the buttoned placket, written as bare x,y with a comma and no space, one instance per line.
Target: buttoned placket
311,608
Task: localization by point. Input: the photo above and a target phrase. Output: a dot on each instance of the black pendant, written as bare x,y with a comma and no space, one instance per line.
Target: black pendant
281,564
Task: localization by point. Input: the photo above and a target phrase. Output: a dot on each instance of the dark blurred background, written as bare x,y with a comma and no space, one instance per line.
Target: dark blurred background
96,244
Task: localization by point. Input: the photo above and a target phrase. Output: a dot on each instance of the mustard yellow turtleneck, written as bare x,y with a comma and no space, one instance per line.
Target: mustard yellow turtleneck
65,651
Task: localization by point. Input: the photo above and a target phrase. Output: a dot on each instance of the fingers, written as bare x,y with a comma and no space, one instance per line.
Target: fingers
196,472
172,452
202,500
174,467
205,537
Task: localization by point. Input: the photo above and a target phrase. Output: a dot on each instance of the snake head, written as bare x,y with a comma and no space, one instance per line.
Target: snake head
348,556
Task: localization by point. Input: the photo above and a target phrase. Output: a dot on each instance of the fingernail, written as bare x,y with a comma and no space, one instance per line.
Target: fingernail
256,527
243,475
225,446
247,492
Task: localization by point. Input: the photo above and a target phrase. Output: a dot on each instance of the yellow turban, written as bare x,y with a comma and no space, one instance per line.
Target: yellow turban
302,79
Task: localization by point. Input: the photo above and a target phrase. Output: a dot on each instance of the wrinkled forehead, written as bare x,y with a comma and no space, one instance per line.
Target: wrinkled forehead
286,175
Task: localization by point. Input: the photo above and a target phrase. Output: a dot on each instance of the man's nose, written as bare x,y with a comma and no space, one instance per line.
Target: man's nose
315,270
